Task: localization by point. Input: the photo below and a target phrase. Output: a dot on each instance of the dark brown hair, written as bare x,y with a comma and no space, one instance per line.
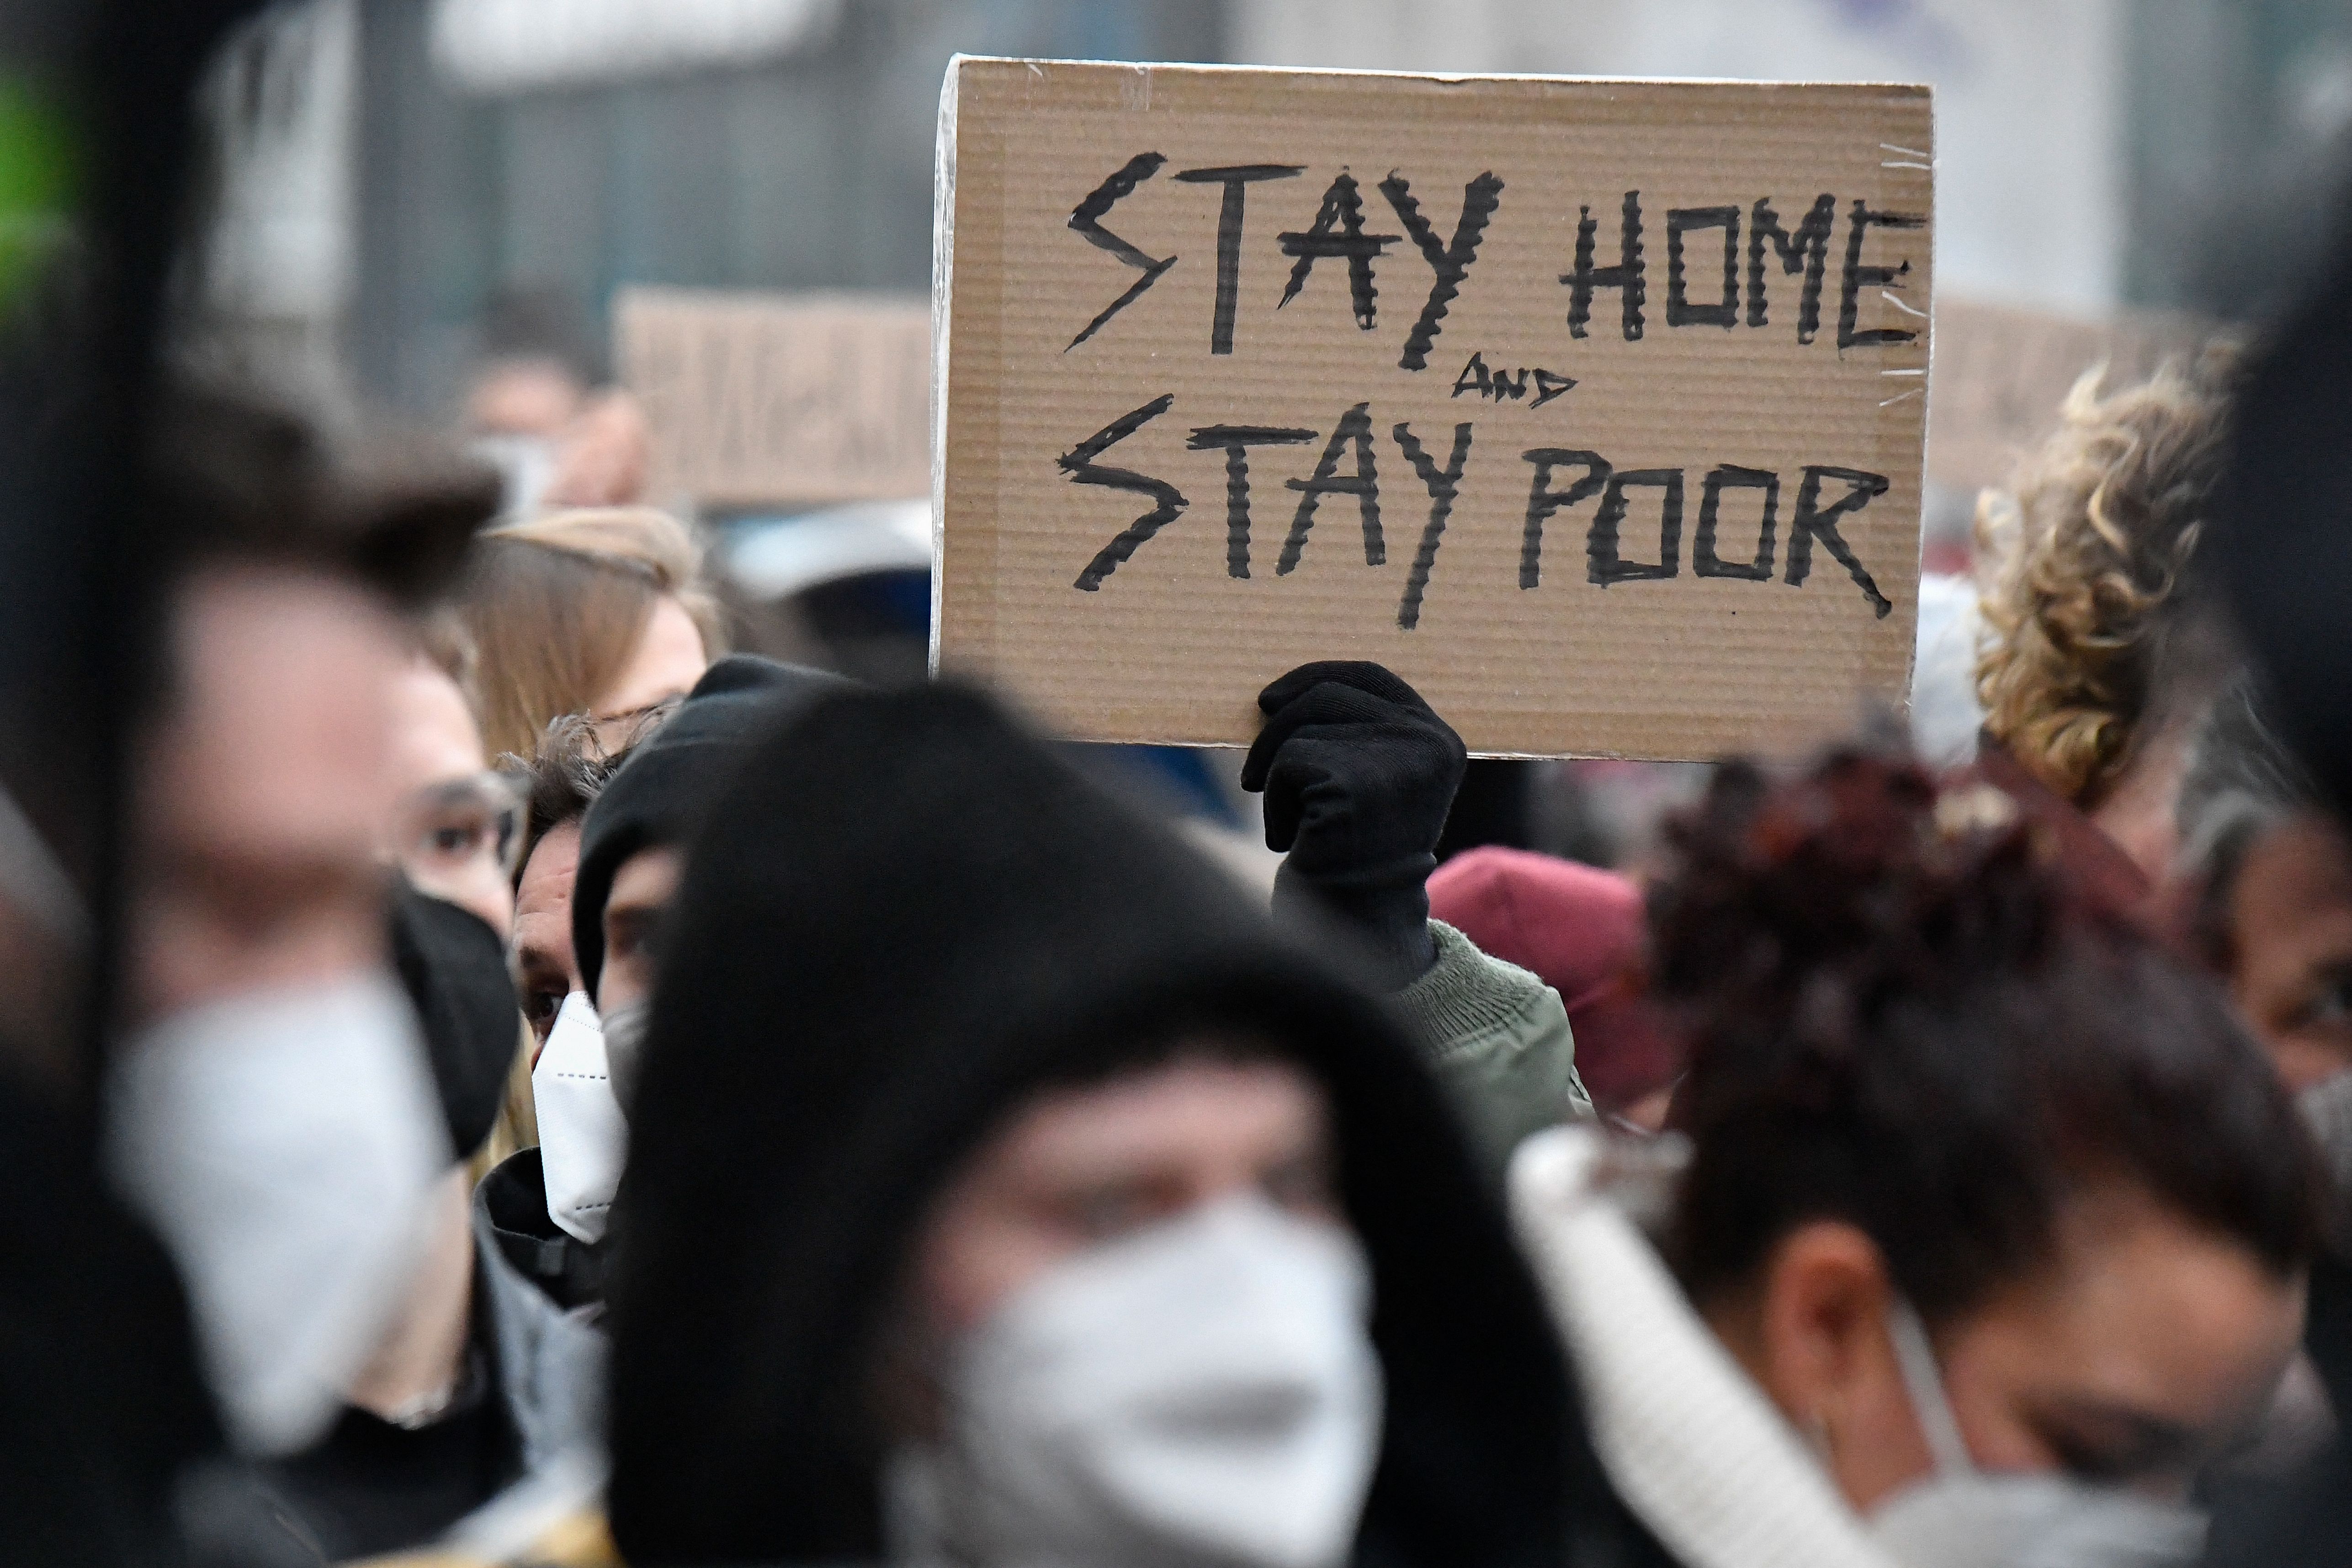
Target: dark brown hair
238,479
1901,1017
560,779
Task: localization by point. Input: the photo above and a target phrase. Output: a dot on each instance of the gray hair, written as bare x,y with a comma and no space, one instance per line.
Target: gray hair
2242,780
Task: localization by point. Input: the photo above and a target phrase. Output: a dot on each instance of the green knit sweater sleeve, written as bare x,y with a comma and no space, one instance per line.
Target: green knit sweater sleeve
1499,1040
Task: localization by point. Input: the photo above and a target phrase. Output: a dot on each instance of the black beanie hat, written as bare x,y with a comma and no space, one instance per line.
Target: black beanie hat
670,779
454,968
904,917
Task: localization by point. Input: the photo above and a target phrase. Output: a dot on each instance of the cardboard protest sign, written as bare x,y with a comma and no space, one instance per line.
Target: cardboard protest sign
2002,372
1593,408
777,399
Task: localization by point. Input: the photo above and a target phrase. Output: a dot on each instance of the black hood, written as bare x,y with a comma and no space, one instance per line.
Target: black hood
661,792
906,915
454,968
2281,529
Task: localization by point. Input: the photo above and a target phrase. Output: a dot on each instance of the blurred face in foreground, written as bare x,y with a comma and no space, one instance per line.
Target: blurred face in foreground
271,1114
2291,947
265,791
2142,1350
1077,1167
1134,1330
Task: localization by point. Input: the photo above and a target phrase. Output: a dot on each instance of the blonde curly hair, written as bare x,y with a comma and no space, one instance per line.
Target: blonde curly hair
2083,565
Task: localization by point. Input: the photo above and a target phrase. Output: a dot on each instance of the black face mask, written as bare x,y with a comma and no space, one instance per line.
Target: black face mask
454,970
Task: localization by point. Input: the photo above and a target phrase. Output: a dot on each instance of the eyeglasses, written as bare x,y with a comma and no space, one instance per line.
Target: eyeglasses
616,732
446,828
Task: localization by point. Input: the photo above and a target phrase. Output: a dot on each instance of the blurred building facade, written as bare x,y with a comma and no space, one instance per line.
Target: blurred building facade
389,170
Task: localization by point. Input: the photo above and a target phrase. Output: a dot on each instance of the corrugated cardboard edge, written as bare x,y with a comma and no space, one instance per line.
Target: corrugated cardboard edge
1204,67
943,184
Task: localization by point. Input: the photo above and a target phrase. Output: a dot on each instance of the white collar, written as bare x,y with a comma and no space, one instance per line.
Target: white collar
1691,1443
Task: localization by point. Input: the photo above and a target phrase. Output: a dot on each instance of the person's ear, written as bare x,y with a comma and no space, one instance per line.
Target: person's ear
1824,1356
1822,1327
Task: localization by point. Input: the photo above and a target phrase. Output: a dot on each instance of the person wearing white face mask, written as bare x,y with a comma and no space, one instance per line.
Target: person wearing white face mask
1003,1191
1988,1226
563,1111
294,1093
607,836
268,1109
270,1112
481,1402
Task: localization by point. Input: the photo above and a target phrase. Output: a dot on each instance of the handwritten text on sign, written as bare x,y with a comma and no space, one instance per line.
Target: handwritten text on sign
1338,234
1588,309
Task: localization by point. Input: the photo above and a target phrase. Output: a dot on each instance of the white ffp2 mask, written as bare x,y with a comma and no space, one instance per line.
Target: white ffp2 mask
583,1138
282,1143
1203,1391
1962,1517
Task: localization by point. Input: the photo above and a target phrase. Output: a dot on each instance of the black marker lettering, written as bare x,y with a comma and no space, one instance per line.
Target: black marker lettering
1812,522
1079,464
1680,312
1603,564
1229,237
1473,378
1808,251
1550,386
1858,278
1505,388
1355,425
1725,476
1543,500
1234,441
1342,211
1451,262
1442,487
1086,218
1626,276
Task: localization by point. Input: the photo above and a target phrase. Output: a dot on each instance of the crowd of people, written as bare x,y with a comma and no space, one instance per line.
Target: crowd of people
584,1095
574,1094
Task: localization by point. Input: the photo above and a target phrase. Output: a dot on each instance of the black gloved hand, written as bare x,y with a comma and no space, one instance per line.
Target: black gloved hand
1359,774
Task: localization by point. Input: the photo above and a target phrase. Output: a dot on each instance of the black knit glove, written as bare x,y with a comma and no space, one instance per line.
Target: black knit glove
1359,774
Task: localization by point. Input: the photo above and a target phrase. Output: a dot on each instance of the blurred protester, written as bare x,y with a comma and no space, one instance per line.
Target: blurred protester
2102,652
604,457
1582,932
2267,890
1993,1224
2278,541
1003,1191
270,1111
1358,773
531,411
102,1406
458,834
481,1399
633,840
2266,877
603,613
